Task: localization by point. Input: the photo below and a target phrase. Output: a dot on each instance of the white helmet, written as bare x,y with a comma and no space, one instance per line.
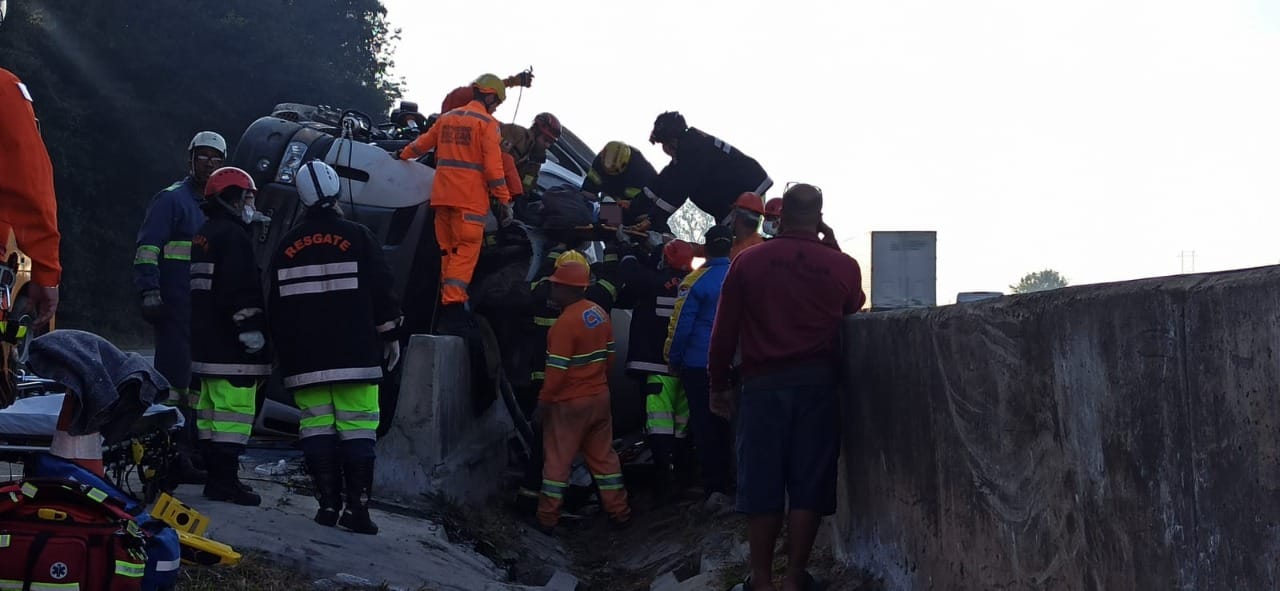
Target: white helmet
317,183
208,139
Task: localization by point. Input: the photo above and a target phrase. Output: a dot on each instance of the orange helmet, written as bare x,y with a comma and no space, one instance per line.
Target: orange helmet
678,254
228,177
573,274
750,202
773,207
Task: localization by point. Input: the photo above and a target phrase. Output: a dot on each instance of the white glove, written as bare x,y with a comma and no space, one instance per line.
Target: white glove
391,354
623,237
253,341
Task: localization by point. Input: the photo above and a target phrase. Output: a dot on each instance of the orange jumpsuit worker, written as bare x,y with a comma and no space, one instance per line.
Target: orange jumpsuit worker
574,402
27,204
463,95
469,172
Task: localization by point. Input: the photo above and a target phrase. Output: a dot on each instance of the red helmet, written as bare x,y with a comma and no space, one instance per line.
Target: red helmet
773,207
548,126
679,255
751,202
228,177
572,273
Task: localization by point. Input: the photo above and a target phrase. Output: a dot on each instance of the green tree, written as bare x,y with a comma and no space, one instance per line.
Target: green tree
1039,281
120,87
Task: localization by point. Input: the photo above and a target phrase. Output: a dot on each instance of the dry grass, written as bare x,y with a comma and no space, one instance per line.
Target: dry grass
256,572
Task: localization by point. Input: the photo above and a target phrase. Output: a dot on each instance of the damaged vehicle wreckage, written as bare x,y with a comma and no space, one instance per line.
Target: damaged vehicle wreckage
392,198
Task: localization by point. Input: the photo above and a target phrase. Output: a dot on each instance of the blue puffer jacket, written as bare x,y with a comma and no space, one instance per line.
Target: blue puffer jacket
689,332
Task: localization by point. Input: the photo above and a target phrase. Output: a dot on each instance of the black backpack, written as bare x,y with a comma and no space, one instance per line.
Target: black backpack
564,208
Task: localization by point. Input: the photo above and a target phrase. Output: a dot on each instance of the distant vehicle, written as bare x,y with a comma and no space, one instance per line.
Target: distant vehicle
965,297
903,270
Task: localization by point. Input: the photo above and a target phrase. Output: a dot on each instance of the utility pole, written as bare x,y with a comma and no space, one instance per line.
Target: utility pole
1188,254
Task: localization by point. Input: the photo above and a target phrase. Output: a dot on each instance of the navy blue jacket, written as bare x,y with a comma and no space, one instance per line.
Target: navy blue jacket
163,258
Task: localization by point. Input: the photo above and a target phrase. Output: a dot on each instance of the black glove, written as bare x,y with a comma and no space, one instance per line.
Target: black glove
153,309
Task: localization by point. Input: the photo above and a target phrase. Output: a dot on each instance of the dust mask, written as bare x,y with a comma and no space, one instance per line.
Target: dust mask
770,227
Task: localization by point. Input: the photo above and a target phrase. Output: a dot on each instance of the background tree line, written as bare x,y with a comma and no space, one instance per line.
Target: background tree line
121,86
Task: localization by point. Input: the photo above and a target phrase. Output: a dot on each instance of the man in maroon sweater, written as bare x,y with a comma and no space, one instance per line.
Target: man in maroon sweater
789,420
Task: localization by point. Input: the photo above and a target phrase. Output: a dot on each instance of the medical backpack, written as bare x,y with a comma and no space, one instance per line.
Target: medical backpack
61,534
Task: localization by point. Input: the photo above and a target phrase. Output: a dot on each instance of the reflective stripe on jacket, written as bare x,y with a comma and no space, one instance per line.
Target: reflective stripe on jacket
163,257
468,159
580,350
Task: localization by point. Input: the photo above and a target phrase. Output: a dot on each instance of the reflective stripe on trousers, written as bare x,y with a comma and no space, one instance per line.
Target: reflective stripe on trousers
348,410
225,412
666,406
461,235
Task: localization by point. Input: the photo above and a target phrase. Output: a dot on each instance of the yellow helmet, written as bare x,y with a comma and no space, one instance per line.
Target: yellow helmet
615,157
572,256
491,84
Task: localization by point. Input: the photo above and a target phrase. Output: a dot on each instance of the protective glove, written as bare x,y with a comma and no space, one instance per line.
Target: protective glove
524,79
391,354
253,341
260,218
623,237
653,240
152,306
503,212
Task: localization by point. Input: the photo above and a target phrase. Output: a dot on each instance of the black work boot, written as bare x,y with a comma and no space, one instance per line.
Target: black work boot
326,477
184,468
223,484
358,475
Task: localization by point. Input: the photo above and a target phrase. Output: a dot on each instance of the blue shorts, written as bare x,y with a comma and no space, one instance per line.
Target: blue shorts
788,445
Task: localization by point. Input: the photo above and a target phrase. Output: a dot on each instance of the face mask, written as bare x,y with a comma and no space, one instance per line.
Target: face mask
247,213
770,228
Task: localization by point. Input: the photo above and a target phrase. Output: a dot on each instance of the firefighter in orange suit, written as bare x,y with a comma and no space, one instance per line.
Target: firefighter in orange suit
27,204
469,174
574,402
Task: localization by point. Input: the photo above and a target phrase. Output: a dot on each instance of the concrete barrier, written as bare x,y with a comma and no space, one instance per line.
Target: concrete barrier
436,443
1119,436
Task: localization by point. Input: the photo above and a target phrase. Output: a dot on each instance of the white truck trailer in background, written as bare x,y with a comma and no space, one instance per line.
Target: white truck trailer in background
904,270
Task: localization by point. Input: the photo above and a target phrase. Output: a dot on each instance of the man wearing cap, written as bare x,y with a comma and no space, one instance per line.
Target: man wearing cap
162,271
574,403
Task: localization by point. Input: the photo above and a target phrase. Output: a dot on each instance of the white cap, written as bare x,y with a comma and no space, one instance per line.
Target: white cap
208,139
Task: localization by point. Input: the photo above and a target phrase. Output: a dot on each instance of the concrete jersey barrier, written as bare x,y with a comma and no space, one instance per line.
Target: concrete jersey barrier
1118,436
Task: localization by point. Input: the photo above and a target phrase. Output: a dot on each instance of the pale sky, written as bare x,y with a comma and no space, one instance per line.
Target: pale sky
1100,138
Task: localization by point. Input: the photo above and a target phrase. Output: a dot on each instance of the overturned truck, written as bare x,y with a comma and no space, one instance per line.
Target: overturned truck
392,198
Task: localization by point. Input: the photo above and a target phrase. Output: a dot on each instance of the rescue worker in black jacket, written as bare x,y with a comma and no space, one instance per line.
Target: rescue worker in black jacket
228,347
650,285
703,168
622,172
335,322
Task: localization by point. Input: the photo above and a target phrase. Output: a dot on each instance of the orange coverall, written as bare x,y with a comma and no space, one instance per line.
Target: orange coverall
575,410
27,204
468,171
